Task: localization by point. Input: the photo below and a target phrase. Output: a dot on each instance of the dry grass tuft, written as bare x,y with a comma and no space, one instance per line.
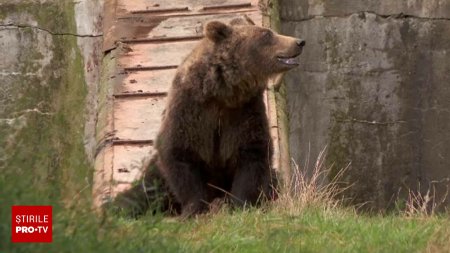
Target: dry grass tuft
315,190
423,204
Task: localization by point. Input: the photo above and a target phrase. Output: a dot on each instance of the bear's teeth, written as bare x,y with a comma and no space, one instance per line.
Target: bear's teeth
288,61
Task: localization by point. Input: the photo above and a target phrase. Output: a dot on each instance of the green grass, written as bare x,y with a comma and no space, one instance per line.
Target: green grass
311,230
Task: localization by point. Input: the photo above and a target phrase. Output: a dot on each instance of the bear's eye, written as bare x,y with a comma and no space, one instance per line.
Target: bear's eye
267,35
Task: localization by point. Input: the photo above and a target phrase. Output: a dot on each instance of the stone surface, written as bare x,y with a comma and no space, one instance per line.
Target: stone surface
27,50
26,57
88,18
304,9
42,104
374,90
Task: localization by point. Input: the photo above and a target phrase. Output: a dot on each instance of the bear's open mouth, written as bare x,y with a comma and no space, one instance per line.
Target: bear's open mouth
289,60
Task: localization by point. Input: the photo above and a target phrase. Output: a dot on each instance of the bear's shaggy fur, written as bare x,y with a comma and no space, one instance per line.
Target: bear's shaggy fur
214,140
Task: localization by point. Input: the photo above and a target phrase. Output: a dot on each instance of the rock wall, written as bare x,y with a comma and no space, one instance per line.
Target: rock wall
373,87
48,78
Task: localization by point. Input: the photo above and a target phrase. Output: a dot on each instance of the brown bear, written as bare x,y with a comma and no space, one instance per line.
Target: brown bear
214,139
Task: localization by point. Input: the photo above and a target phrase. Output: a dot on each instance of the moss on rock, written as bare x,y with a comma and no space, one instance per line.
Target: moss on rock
43,157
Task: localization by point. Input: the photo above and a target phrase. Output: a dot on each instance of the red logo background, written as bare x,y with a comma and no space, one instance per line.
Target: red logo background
36,236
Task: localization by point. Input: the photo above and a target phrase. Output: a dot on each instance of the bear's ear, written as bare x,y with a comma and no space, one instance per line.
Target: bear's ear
217,31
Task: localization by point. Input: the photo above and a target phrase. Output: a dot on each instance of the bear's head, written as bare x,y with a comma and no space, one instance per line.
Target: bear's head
257,50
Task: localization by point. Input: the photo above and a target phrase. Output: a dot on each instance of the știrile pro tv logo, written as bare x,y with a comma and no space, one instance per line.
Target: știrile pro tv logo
31,224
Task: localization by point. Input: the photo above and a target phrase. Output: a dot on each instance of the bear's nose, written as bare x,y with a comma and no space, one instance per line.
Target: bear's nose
301,43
